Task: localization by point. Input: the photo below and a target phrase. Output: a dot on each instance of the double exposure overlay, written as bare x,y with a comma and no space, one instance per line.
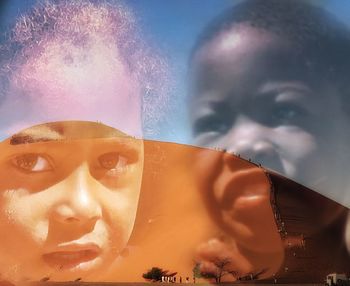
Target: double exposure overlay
83,200
261,196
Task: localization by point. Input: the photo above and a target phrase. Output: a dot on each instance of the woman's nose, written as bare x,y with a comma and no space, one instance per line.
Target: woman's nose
80,203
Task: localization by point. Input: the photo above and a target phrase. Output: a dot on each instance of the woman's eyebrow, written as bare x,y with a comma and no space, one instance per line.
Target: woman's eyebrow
65,131
35,135
125,144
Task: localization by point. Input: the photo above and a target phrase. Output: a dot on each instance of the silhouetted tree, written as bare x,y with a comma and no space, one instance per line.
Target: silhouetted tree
221,268
196,270
155,274
46,278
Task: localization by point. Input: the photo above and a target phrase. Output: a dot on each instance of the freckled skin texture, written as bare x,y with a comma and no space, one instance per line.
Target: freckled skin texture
68,205
253,96
95,84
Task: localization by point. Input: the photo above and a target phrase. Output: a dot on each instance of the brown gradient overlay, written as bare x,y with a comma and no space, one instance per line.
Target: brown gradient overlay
195,205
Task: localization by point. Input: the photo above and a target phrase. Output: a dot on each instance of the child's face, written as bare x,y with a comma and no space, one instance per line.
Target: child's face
254,96
67,206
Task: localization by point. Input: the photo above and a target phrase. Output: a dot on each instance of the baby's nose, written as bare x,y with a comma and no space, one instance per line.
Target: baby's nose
253,141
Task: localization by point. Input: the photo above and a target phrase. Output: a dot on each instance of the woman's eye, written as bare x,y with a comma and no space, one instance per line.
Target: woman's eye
32,163
112,160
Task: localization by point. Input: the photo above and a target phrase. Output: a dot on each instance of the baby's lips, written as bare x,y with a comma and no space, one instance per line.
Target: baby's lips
250,219
255,235
246,211
244,188
255,212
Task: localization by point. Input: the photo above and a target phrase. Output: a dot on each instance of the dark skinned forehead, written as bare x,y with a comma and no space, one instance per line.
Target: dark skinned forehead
296,19
316,34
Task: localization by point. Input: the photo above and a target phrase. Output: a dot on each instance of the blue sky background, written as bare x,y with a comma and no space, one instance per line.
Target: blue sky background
172,26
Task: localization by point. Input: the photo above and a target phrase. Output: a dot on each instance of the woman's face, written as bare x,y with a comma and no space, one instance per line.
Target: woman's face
252,95
68,206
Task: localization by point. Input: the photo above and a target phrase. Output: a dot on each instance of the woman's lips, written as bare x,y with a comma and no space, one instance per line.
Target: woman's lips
71,256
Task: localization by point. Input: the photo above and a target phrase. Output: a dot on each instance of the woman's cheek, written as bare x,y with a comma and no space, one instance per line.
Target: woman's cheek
28,215
25,227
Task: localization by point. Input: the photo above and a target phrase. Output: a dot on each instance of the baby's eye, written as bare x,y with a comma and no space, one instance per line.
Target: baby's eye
288,114
32,163
211,124
112,160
